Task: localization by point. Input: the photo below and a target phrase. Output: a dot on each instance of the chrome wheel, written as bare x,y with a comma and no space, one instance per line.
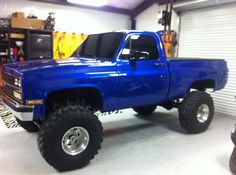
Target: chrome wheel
203,113
75,140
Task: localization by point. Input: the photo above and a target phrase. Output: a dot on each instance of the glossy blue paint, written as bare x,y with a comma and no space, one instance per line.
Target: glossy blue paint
184,72
146,81
120,84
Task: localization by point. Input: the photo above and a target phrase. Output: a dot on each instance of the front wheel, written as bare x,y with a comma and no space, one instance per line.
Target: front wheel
196,112
70,138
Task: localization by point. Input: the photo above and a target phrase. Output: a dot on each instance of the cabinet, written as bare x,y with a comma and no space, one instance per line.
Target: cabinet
25,44
4,46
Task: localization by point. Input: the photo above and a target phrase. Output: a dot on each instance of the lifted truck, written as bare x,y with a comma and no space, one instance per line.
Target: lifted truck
109,71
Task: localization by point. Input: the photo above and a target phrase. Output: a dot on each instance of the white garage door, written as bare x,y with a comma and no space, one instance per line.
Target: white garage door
211,33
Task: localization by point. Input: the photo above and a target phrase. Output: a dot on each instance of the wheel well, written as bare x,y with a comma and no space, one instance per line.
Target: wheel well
203,85
92,96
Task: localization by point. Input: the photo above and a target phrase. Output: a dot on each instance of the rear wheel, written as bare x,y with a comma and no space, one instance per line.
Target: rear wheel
70,138
29,126
145,110
196,112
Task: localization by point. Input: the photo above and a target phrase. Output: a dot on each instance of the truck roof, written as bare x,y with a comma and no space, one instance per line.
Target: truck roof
127,32
135,31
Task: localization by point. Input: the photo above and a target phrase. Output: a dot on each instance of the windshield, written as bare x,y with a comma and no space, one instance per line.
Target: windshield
100,45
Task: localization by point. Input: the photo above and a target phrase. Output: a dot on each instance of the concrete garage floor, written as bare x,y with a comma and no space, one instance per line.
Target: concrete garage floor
132,146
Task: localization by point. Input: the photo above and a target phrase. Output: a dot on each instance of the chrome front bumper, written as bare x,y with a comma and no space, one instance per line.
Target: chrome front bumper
22,112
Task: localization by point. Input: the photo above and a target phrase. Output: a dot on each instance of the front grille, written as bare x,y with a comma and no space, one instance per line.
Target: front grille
9,87
8,78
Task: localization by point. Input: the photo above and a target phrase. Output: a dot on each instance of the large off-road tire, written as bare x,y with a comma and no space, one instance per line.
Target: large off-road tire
145,110
70,138
196,112
232,162
29,126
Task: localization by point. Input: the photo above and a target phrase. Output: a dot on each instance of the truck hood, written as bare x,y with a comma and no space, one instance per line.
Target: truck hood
28,66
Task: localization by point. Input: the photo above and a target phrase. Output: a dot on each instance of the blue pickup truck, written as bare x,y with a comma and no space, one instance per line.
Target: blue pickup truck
109,71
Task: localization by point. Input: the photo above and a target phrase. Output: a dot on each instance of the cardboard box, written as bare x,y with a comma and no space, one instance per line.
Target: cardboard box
17,36
18,14
26,23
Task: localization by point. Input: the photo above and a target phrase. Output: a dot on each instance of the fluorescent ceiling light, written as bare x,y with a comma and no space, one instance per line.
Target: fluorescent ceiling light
96,3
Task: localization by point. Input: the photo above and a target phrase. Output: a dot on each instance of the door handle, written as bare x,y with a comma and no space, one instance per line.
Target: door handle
159,64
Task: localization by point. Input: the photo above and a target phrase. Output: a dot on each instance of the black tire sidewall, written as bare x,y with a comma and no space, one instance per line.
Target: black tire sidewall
207,101
232,162
60,133
56,156
188,112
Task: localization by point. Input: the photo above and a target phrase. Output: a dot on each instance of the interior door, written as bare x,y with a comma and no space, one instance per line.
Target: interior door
145,80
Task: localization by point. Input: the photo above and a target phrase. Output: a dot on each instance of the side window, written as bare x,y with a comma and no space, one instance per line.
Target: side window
142,47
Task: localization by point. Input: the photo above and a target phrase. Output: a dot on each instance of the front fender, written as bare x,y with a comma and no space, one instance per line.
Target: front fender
40,110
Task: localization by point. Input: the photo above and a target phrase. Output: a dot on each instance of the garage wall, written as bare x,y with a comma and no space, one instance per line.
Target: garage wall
147,20
210,33
69,19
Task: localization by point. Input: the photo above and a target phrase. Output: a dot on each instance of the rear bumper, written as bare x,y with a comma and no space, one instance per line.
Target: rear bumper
22,112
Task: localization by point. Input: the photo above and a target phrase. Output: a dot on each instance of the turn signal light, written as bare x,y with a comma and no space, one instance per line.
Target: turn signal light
34,102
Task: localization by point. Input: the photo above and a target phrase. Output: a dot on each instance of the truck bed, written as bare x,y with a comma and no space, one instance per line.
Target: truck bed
194,59
185,71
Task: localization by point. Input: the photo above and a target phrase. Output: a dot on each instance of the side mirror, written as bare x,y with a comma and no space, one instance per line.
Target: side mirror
132,60
138,55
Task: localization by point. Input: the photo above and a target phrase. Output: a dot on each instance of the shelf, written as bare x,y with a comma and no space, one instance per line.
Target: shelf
5,44
5,30
25,36
16,39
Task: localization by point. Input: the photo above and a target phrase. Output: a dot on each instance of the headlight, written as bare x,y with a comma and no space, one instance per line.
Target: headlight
17,95
17,82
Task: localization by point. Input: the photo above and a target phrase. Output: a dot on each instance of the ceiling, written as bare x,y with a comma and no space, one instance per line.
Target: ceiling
127,7
125,4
